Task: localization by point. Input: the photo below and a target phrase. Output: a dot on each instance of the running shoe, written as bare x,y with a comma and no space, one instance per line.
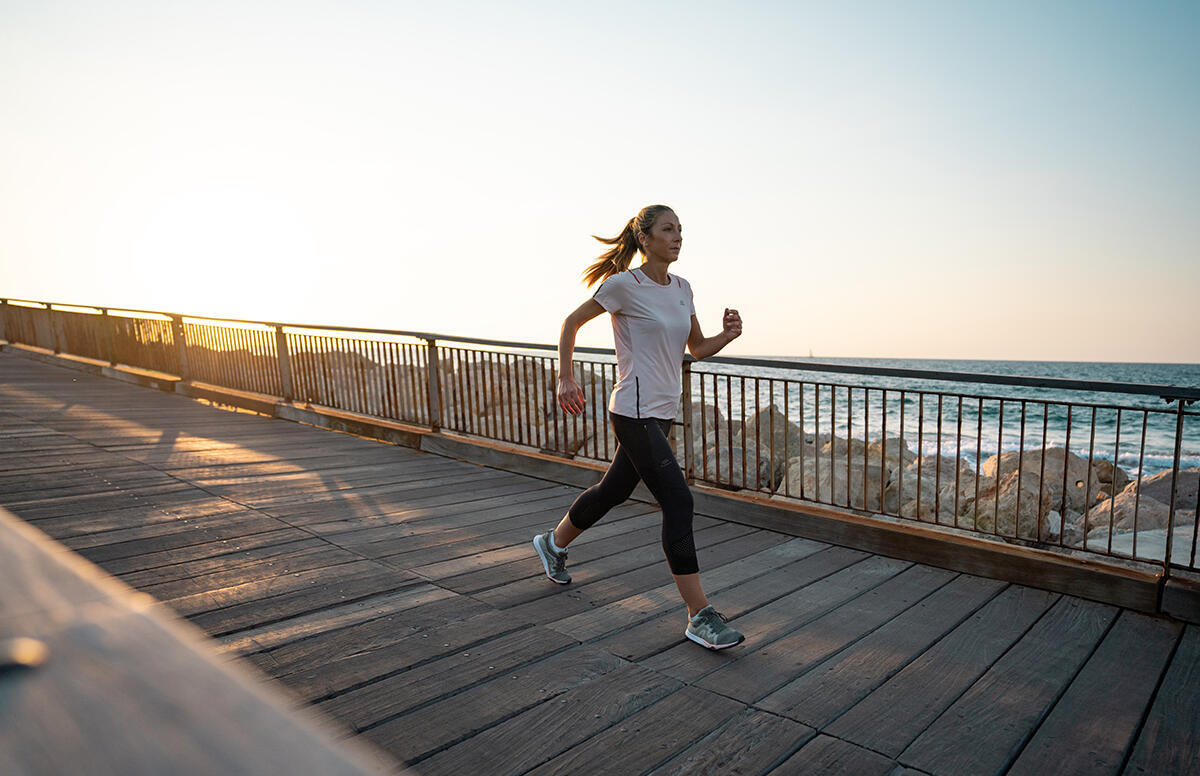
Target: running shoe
554,562
708,629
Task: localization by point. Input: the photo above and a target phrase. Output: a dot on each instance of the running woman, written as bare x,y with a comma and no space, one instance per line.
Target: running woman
653,318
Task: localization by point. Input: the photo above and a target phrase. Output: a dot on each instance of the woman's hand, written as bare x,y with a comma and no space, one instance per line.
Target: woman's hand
731,324
570,395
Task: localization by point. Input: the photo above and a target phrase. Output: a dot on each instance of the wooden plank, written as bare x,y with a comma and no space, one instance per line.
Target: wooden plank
659,633
454,514
689,662
409,687
985,728
359,505
1169,741
423,607
540,684
277,546
549,729
336,661
314,555
759,666
820,695
1093,725
117,666
560,602
639,607
186,504
441,554
355,581
638,742
32,511
893,715
753,742
178,562
832,757
632,527
170,535
513,579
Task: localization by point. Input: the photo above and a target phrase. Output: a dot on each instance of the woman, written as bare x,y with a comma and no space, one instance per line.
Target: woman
653,318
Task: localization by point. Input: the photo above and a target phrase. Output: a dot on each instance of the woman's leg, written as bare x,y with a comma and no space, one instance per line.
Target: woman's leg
648,449
595,502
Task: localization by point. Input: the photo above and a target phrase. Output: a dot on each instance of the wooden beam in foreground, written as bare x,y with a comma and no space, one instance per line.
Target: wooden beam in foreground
126,687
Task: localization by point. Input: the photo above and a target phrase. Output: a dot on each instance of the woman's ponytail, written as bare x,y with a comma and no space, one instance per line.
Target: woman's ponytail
625,245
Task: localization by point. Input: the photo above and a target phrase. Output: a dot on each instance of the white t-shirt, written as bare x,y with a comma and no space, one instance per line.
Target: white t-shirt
651,323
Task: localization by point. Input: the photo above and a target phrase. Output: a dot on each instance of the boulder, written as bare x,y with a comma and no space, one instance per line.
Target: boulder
1159,487
1082,492
1007,508
1113,478
894,453
755,473
814,479
708,426
1151,514
910,496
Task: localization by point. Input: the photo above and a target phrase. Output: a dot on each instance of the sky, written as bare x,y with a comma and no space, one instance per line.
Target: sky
979,180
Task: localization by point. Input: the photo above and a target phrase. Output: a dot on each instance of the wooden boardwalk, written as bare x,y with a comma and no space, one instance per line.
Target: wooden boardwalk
397,592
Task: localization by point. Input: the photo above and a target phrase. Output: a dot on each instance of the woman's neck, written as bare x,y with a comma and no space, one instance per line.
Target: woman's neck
656,271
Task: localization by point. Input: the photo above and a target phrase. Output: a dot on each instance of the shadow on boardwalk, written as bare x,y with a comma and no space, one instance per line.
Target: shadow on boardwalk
397,592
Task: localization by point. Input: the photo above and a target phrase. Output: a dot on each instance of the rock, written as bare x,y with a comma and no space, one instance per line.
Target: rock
895,455
708,426
756,474
1159,487
1009,509
813,478
1114,478
1151,514
910,497
1079,486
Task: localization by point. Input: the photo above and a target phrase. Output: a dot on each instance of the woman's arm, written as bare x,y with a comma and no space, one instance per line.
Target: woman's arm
702,347
570,396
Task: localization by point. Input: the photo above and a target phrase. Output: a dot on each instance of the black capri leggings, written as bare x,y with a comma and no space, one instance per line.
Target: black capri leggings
644,453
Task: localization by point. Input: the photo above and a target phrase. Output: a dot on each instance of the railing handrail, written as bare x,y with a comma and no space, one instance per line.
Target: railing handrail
1169,393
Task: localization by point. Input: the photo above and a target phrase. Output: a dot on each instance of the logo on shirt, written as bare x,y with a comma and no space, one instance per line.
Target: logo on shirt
681,304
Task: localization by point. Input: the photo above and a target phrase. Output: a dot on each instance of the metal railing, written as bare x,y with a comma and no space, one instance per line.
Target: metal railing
1053,463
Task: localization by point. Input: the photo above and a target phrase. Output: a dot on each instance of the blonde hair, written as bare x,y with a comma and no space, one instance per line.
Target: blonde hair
625,245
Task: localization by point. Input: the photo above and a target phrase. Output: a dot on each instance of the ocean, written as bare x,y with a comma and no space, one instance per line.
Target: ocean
1114,433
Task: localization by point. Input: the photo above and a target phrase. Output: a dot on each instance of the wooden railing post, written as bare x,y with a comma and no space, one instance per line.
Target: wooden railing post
285,363
689,459
181,344
106,336
3,319
434,385
56,328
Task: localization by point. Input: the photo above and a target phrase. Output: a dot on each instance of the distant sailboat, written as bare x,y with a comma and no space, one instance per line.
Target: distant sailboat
810,355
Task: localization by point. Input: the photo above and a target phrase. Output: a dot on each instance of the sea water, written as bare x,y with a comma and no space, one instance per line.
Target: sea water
1103,426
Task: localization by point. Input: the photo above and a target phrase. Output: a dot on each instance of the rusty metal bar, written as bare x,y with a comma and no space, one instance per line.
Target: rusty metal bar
689,460
1174,487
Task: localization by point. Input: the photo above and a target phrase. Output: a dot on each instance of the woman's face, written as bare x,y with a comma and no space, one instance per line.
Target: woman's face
664,239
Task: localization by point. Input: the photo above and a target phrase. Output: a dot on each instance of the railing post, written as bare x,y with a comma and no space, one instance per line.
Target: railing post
56,329
3,319
1174,484
285,363
689,459
181,344
434,384
106,336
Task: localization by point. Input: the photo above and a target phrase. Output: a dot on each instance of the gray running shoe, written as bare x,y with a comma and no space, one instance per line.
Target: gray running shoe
554,562
709,630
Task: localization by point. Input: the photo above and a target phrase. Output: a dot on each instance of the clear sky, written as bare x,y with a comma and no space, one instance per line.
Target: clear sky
946,179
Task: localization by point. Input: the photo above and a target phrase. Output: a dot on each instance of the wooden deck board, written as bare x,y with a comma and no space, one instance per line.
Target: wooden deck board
397,591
